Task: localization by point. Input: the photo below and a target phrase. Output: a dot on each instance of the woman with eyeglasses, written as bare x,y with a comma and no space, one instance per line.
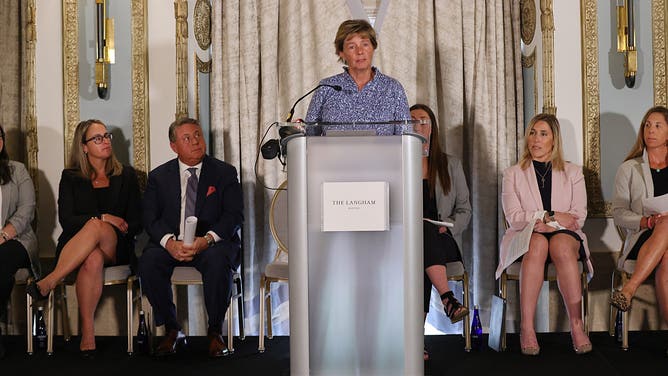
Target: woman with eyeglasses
99,211
18,243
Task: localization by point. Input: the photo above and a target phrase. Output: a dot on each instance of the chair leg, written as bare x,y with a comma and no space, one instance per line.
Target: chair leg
625,320
585,303
49,324
230,327
130,312
504,291
65,316
613,311
29,319
240,307
260,346
467,318
270,334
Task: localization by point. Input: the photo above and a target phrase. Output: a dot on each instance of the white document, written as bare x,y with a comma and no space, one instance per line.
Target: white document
189,230
656,205
440,223
520,244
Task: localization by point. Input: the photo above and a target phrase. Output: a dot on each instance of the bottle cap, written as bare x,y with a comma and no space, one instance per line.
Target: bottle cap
475,306
40,308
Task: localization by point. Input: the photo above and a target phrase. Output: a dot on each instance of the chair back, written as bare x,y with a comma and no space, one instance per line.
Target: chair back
278,220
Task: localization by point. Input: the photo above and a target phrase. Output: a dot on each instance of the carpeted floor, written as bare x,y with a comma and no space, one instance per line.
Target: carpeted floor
647,355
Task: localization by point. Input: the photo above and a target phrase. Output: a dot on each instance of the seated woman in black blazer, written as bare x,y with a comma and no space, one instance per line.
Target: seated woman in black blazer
99,211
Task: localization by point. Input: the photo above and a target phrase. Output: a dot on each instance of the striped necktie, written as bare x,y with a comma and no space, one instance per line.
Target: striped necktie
191,193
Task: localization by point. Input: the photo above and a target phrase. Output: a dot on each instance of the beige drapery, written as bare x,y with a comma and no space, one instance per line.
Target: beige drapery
10,77
461,57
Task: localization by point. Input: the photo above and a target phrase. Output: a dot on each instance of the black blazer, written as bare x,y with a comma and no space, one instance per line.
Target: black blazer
219,206
77,203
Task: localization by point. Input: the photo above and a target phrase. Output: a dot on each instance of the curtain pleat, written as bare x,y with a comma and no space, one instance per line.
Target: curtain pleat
10,77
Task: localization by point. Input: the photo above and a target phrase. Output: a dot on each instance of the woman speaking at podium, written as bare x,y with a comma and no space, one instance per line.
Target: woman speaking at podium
366,94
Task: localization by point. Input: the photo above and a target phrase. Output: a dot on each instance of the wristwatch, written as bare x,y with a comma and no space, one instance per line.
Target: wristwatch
550,216
210,241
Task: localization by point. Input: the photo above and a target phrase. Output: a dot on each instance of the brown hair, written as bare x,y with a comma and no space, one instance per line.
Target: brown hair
557,157
350,27
437,160
79,159
639,146
179,122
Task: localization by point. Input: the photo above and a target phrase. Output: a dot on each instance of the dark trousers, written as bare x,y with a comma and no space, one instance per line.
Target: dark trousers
13,256
217,264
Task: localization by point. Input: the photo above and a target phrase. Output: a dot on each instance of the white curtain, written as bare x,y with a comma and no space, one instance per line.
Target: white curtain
461,57
11,75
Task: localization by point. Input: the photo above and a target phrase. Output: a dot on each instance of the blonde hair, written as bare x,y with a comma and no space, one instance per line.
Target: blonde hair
350,27
557,157
79,159
639,146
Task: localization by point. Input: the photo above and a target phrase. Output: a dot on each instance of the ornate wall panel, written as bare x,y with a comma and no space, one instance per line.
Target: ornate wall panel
659,11
181,15
29,94
547,29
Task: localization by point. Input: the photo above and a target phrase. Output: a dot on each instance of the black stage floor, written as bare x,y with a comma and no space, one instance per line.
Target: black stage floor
647,355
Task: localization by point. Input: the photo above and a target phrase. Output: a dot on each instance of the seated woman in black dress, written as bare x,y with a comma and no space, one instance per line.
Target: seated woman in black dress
99,211
445,197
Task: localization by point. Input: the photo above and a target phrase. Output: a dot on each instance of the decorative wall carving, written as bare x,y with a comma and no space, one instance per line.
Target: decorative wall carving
202,26
659,11
547,29
140,118
70,70
29,94
596,206
181,14
528,17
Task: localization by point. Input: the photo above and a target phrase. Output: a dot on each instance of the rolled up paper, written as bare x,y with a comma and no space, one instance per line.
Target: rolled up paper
189,230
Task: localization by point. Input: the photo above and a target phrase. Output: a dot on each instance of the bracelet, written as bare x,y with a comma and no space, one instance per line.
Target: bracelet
649,222
4,235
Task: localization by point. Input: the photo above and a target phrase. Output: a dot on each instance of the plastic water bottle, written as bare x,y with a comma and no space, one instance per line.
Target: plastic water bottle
142,342
476,330
618,326
40,330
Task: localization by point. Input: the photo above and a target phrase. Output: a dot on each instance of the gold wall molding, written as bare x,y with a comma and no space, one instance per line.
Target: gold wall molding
528,19
181,15
202,24
530,60
140,113
140,118
29,93
203,66
547,29
596,206
659,11
70,71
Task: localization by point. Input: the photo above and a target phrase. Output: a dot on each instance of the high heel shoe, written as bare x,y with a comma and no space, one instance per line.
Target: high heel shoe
619,301
33,290
582,349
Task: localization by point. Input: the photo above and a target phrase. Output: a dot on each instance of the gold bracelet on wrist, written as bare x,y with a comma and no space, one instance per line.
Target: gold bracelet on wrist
4,235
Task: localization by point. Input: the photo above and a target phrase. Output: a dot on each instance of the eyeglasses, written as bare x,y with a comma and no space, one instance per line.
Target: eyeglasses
98,138
187,139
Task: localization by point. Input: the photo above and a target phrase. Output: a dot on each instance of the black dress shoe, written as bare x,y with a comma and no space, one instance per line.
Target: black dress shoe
88,354
217,346
173,340
33,290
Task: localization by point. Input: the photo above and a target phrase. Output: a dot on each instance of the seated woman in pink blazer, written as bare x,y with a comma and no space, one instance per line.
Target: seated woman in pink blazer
548,194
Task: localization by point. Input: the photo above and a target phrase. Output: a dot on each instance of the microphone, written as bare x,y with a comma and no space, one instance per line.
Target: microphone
292,110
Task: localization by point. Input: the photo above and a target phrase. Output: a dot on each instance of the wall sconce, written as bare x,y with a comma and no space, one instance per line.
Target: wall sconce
104,47
626,40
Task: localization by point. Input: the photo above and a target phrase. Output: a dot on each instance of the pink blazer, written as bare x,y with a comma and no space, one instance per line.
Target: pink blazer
521,198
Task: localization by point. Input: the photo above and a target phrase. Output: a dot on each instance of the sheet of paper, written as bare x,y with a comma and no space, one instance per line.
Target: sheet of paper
656,205
519,245
189,230
440,223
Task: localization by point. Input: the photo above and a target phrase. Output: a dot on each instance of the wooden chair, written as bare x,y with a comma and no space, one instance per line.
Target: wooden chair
277,269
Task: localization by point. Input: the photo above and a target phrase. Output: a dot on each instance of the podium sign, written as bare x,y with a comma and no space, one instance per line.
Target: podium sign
355,206
355,296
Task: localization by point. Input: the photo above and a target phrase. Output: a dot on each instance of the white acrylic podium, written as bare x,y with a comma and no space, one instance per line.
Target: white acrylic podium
355,296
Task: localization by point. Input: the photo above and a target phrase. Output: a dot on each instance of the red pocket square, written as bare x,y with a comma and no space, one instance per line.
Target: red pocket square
211,190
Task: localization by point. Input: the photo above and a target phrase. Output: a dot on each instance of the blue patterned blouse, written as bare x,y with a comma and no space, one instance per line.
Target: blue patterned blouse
381,99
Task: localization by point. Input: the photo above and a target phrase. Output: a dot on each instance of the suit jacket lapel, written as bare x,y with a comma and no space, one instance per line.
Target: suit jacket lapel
530,177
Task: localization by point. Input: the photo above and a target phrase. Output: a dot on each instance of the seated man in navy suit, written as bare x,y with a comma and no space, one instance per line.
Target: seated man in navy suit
193,184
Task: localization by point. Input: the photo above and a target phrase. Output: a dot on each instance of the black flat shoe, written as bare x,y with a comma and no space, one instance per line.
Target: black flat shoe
88,354
33,290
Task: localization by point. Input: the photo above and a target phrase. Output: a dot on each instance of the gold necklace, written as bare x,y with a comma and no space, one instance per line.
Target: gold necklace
542,176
